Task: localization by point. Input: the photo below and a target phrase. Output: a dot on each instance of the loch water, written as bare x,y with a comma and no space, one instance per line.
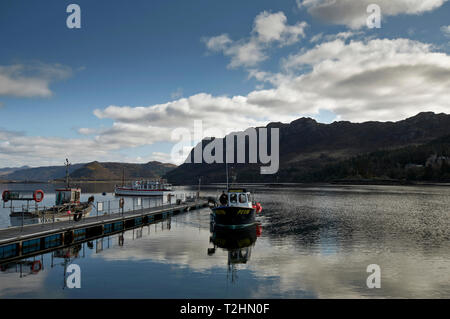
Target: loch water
314,241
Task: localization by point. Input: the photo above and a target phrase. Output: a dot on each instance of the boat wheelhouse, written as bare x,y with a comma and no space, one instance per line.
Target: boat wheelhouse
67,196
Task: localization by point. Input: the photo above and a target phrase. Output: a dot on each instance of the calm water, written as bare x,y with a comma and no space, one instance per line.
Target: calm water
315,242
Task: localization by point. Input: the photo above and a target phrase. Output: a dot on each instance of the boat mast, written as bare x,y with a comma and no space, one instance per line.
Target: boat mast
226,171
67,173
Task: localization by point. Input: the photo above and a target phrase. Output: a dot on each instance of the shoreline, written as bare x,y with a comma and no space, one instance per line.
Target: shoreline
261,184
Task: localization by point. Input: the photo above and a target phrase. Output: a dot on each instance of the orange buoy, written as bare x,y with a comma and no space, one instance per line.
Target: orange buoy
38,196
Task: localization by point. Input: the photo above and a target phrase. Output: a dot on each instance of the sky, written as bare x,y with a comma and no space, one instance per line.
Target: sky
121,86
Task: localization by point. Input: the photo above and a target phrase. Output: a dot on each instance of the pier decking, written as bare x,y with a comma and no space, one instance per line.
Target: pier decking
22,242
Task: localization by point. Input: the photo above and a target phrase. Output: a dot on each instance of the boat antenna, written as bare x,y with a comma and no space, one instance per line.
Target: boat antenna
226,171
67,172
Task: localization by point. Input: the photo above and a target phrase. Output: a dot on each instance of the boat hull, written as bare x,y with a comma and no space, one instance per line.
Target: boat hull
233,217
48,216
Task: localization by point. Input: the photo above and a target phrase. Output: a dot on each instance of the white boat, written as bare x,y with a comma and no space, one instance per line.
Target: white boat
144,188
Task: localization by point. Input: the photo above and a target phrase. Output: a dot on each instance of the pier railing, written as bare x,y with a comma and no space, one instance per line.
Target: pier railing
106,208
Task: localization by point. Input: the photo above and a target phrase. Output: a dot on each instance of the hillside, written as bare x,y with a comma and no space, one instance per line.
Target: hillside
10,170
114,171
44,173
94,171
307,146
428,162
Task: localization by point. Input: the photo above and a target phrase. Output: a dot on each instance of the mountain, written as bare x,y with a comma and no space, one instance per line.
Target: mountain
307,146
42,174
115,171
9,170
428,162
94,171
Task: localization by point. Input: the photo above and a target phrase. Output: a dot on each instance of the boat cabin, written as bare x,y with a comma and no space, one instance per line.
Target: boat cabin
236,197
67,196
150,185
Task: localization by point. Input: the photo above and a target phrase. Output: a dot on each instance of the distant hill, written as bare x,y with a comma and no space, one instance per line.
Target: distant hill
9,170
307,146
114,171
43,174
94,171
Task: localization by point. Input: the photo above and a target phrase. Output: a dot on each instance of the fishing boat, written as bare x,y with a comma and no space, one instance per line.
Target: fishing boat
235,209
67,205
144,188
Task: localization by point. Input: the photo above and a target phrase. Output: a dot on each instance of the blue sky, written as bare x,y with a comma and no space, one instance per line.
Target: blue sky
145,53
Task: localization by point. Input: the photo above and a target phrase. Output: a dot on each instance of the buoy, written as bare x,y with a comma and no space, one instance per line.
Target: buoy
258,208
5,196
38,196
36,266
258,230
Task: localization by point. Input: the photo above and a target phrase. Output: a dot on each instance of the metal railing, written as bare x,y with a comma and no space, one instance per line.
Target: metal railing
100,209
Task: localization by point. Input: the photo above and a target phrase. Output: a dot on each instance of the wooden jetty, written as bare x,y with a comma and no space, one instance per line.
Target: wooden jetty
31,240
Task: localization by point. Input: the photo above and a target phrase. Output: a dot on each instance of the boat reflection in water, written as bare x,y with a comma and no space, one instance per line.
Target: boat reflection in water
237,242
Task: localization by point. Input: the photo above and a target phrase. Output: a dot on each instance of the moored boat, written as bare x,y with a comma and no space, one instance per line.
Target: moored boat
235,209
67,206
144,188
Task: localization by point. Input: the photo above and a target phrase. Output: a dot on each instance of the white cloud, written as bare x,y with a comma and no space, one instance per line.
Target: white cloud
378,79
273,27
246,54
268,28
362,80
331,37
217,43
160,157
30,80
372,80
353,13
18,148
446,30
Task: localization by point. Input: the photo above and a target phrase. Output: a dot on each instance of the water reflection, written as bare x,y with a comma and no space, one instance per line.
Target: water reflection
237,242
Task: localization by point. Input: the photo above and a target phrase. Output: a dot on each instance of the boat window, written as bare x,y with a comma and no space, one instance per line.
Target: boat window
223,199
233,198
242,198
